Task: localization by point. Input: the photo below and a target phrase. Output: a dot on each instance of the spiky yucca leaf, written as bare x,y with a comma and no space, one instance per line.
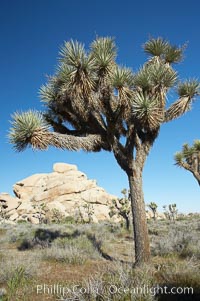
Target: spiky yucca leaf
73,54
187,152
103,50
173,54
197,145
28,128
64,72
189,88
77,70
178,108
178,158
142,79
156,47
48,93
162,75
147,111
122,77
122,80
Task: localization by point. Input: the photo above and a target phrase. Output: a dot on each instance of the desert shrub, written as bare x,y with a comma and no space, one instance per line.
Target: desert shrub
55,216
191,250
82,242
74,248
153,232
11,266
18,278
20,232
42,239
2,231
182,274
198,227
159,227
69,254
1,256
69,220
22,221
104,285
182,239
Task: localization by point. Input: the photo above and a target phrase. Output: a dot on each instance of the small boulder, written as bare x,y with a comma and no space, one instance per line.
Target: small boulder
9,201
14,216
34,220
63,167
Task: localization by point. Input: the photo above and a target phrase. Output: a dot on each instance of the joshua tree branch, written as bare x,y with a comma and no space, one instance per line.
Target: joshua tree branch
178,108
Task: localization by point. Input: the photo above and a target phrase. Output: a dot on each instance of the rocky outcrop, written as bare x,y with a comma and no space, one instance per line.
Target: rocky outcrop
66,192
66,189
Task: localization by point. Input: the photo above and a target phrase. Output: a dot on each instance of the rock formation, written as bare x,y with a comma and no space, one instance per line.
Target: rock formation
66,192
65,189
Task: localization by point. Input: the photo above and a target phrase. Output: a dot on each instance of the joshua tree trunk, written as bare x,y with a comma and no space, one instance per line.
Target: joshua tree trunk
197,177
127,223
142,249
126,217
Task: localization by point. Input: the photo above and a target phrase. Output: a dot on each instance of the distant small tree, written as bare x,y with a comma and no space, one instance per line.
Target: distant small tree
189,158
89,210
56,216
171,212
41,211
153,206
122,207
84,214
3,214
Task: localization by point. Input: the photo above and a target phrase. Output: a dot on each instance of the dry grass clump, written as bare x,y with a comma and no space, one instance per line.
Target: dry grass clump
72,250
69,255
116,282
18,232
13,263
98,258
182,274
182,238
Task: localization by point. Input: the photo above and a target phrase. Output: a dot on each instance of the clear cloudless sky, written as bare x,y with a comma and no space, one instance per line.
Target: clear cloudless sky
31,33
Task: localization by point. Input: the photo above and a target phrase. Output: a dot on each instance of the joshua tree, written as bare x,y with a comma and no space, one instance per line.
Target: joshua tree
171,212
41,211
84,214
153,208
3,214
189,158
56,216
122,207
89,210
93,104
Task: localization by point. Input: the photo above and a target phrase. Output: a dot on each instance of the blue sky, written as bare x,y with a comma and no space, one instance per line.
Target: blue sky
31,35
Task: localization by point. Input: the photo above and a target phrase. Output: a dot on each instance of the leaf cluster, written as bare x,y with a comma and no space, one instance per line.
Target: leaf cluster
161,48
188,154
91,96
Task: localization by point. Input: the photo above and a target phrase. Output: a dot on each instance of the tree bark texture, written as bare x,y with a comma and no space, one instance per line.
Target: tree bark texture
127,223
141,238
197,177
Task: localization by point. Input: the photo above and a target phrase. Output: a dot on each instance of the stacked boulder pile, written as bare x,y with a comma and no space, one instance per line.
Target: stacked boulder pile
66,190
64,193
